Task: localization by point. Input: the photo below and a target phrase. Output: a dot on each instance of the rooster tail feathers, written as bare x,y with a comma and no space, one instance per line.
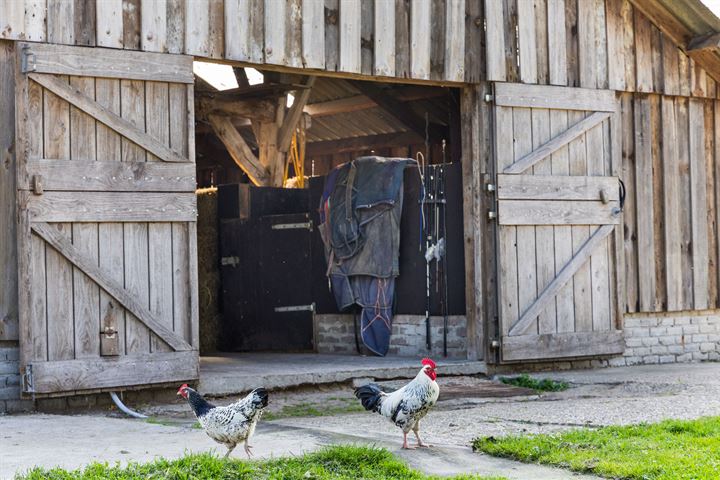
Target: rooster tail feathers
370,396
260,397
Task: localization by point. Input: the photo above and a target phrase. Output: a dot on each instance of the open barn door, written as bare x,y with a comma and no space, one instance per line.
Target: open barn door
106,204
559,235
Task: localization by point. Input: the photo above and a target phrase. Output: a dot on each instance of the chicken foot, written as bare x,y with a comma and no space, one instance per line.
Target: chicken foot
230,449
248,449
419,442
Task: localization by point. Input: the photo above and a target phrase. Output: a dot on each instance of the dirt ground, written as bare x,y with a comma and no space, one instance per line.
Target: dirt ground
468,407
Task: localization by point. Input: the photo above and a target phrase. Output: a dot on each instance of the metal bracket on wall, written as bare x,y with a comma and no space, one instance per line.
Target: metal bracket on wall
27,63
27,380
296,308
290,226
232,261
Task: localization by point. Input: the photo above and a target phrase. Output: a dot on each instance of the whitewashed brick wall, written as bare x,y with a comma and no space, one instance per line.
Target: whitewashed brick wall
335,334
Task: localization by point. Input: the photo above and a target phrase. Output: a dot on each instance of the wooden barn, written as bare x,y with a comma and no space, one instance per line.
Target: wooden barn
585,135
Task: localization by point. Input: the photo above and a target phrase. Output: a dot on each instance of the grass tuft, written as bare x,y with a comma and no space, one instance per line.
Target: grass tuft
332,463
669,450
544,385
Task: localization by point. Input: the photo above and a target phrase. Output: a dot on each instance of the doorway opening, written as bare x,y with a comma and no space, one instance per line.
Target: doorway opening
263,150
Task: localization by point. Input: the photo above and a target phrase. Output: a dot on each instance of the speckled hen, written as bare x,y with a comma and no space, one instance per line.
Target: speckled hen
228,425
407,406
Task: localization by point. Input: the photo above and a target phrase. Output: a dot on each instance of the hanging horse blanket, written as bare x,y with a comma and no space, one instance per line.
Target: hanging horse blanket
360,226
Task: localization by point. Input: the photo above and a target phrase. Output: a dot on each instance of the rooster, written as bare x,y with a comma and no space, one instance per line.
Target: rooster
407,406
228,425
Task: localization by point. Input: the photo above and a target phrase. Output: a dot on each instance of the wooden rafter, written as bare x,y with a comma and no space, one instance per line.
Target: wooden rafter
254,109
704,42
89,267
401,112
294,115
112,120
369,142
363,102
239,150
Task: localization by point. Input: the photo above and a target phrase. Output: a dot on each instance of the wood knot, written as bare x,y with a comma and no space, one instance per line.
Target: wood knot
331,16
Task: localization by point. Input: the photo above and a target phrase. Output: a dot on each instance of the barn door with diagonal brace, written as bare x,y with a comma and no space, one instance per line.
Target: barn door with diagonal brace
559,238
106,204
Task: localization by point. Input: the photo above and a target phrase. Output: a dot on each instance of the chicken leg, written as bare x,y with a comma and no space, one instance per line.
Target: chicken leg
406,446
419,442
248,449
230,449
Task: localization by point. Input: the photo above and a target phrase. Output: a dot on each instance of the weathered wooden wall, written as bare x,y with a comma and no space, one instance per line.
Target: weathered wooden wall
587,43
671,166
419,39
8,251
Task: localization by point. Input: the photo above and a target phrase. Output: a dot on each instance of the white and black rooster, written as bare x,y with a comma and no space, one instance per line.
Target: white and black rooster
228,425
407,406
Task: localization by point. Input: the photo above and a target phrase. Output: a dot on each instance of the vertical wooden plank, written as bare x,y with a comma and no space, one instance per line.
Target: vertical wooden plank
698,80
541,41
474,42
673,259
84,23
527,48
293,36
132,101
402,38
571,39
645,215
110,235
437,38
131,24
658,194
629,214
332,34
615,44
39,306
507,235
582,283
671,81
601,52
683,74
216,30
716,153
544,235
8,235
135,248
710,182
181,281
454,68
419,39
12,24
60,22
510,24
657,59
495,40
153,26
617,252
175,27
526,252
313,34
587,47
560,165
85,292
685,187
599,261
193,284
384,38
698,205
178,118
643,53
628,26
160,258
35,20
367,27
557,47
109,23
197,27
275,37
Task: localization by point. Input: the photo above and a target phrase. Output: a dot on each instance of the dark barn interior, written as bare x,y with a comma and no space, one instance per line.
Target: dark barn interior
272,281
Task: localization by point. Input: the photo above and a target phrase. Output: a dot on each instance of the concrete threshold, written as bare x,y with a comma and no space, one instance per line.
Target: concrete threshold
234,373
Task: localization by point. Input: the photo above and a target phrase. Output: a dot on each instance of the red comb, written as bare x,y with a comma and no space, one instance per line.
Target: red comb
427,361
184,385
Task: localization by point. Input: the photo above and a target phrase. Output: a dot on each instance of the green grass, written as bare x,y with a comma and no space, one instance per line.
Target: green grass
338,462
544,385
673,449
340,406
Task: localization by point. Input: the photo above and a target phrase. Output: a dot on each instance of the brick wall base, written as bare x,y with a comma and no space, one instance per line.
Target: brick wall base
10,378
335,334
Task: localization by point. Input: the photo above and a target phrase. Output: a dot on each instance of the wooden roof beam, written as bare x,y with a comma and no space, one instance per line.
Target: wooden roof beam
261,110
401,112
239,150
329,147
704,42
363,102
294,115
